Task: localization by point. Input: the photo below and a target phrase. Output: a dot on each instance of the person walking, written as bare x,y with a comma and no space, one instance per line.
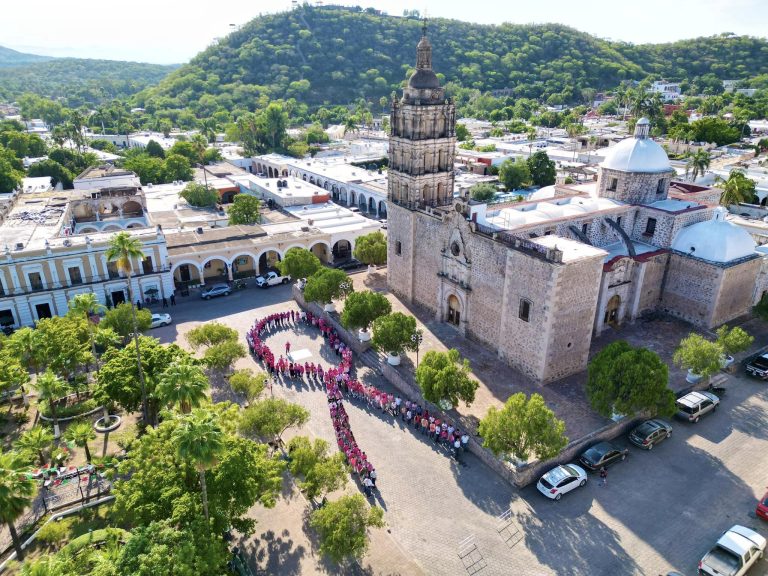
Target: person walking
603,476
367,486
165,302
173,299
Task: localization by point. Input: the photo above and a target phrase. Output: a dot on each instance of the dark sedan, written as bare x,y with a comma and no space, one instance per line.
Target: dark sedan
649,433
351,264
602,454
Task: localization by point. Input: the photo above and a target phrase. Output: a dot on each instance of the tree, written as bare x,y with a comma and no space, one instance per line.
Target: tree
118,378
733,340
123,249
319,472
176,167
736,189
274,121
199,439
299,263
483,192
626,380
247,383
210,334
12,374
343,525
199,195
698,163
699,355
182,385
81,433
462,133
244,210
84,305
57,172
271,417
542,169
26,345
154,149
392,332
514,174
16,493
149,169
35,441
121,320
222,356
164,548
444,378
362,308
327,285
371,249
157,484
50,388
64,344
523,427
11,171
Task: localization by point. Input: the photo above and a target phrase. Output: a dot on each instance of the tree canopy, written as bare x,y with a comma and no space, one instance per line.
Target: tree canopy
482,192
514,174
269,418
299,263
392,332
244,210
626,380
199,195
371,248
542,169
343,526
362,308
444,378
524,427
120,319
327,285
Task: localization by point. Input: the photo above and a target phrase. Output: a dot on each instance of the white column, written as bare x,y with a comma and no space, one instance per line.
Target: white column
15,279
94,270
54,274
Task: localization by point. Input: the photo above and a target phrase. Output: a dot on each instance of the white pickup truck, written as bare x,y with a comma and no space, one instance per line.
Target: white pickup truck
271,279
737,550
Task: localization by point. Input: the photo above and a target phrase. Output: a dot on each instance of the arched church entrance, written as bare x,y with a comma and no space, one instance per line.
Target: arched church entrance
454,310
612,311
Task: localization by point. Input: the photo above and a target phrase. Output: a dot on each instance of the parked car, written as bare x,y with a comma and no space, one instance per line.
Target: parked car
216,290
160,320
649,433
271,279
351,264
694,405
762,507
758,366
734,554
561,480
602,454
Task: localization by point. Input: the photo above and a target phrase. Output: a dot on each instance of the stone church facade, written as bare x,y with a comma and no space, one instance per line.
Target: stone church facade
535,281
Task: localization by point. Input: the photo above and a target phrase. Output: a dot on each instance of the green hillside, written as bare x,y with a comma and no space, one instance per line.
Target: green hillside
80,81
10,57
335,56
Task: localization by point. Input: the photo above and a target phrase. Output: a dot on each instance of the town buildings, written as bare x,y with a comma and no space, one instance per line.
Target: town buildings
535,281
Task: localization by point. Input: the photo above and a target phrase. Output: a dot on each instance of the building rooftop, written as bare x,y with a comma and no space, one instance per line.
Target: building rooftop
103,171
332,218
530,213
572,250
35,218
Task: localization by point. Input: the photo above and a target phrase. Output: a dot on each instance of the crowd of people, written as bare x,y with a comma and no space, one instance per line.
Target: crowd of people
336,380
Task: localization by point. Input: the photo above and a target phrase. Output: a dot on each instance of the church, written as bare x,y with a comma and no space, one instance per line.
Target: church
536,281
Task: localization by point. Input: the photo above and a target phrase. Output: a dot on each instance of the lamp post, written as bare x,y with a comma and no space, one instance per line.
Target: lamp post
417,338
344,287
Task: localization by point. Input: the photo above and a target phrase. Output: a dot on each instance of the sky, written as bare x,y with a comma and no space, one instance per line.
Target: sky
173,31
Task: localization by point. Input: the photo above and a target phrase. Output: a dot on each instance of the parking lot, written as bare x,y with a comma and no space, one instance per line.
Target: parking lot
661,510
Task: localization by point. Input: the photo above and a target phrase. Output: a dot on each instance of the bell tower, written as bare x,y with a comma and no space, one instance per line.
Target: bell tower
422,144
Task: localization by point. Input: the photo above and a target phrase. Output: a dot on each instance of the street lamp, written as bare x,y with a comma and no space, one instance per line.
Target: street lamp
417,338
345,287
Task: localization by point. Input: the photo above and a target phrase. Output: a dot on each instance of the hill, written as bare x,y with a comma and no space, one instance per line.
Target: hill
79,81
10,57
333,55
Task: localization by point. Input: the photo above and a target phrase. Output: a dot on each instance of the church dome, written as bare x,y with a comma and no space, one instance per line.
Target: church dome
424,79
638,154
716,240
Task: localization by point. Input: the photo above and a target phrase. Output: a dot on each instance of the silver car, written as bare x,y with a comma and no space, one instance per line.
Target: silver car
216,290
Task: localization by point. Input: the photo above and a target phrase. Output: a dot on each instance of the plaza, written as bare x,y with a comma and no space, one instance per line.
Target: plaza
661,510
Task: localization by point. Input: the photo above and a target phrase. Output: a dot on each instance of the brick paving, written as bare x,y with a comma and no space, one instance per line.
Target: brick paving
661,510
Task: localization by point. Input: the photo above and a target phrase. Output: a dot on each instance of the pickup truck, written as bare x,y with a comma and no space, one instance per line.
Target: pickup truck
734,554
758,367
271,279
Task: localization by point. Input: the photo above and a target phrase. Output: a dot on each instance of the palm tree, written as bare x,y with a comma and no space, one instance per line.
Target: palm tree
36,439
350,125
84,305
208,128
698,162
16,493
199,439
736,189
26,346
183,384
531,135
81,433
123,248
50,388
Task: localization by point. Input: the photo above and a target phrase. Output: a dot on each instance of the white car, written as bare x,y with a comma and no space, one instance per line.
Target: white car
161,320
737,550
561,480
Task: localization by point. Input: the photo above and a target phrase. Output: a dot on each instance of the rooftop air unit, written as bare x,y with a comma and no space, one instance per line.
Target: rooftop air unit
199,229
19,245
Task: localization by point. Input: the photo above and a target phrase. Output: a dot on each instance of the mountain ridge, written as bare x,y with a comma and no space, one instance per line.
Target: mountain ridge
11,57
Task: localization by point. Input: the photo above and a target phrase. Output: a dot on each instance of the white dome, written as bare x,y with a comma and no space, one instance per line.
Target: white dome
637,155
715,240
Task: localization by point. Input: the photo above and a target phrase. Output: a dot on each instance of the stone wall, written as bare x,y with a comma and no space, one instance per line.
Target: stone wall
736,292
633,187
652,279
401,238
690,289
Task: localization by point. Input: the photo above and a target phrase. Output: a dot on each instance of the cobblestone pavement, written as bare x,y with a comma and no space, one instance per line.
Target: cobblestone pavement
660,510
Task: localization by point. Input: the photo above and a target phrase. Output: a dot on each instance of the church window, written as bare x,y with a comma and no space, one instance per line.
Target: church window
585,228
398,248
455,248
525,310
618,220
650,227
660,187
613,183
